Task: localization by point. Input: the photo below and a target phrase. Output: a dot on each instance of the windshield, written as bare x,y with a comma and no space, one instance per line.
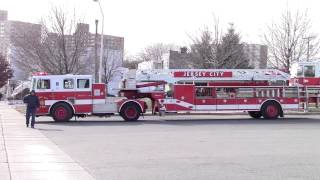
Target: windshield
309,71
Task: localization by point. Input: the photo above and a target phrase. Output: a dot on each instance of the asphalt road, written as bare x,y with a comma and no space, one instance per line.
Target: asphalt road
192,147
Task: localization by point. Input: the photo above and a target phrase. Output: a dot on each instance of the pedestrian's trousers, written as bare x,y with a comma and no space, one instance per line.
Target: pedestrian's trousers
30,112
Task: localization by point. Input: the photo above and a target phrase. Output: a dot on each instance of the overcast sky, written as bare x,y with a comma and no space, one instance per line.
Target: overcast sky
143,22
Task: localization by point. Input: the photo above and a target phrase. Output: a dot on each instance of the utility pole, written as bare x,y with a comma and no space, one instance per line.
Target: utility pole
309,38
101,43
96,61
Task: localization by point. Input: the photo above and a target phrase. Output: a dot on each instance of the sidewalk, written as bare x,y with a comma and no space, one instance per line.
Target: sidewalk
26,154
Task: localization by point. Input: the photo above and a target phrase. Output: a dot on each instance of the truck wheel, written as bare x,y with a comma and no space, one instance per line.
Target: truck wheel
271,110
61,112
130,112
255,114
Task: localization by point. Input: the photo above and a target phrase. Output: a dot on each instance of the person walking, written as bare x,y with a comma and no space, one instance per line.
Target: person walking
32,102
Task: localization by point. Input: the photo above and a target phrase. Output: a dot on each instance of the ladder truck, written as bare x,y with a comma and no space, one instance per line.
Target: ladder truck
260,92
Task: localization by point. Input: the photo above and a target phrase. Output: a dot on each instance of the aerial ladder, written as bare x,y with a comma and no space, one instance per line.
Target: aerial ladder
175,75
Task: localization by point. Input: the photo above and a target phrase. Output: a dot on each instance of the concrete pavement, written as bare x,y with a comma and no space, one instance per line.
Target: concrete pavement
26,154
219,147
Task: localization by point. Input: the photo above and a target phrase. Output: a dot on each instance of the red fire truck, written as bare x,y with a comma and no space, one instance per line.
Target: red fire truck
262,93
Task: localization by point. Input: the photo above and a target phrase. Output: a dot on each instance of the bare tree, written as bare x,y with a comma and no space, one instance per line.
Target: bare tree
59,49
111,64
26,49
130,61
155,53
5,71
286,39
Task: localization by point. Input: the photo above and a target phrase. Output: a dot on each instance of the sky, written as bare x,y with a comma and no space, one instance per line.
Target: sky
144,22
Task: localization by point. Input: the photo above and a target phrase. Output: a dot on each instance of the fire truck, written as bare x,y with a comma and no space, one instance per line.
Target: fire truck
260,92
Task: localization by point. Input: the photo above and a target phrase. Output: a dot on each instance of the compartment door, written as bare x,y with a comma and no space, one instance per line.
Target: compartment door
184,96
205,99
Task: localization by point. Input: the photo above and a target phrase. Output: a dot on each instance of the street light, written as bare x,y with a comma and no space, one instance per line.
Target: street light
101,44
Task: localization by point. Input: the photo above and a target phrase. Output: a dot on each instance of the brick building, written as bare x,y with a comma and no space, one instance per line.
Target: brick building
180,59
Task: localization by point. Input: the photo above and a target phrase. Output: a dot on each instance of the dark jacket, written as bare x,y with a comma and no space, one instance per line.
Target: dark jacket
32,101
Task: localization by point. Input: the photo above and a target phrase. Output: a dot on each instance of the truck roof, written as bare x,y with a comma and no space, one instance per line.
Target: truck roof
63,76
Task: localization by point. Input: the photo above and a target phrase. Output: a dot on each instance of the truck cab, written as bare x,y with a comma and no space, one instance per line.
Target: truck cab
65,96
306,73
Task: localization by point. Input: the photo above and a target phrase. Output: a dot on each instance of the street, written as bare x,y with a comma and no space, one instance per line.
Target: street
191,147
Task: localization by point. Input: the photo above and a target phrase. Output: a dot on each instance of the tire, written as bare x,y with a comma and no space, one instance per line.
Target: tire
271,110
130,112
61,112
255,114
